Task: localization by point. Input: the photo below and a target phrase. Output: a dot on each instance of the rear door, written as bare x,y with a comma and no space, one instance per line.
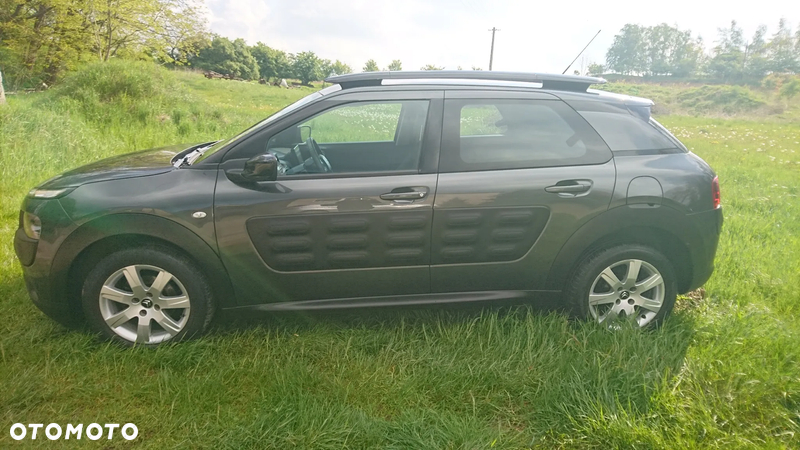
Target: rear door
361,230
519,173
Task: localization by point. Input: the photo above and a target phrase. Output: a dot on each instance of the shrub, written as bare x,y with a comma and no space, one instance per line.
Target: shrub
721,99
120,90
774,81
791,88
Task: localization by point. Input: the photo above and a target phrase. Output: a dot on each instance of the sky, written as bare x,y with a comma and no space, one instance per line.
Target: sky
533,36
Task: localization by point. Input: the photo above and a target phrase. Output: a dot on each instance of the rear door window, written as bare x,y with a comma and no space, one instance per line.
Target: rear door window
496,134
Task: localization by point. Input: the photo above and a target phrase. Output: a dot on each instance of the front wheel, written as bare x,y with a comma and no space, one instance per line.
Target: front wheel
147,296
630,283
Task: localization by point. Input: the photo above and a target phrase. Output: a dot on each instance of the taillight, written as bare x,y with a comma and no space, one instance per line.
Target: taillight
715,192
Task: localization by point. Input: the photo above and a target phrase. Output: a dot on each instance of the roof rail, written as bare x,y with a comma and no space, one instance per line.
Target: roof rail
549,81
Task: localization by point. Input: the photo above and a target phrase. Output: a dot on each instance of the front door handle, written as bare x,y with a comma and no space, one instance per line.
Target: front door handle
406,194
570,187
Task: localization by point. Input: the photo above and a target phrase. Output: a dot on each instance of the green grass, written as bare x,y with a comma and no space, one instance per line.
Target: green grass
724,372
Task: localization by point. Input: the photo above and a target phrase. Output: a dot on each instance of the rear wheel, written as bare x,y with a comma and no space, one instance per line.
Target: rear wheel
630,283
147,296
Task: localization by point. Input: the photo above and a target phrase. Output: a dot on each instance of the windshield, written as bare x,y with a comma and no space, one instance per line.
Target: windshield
288,110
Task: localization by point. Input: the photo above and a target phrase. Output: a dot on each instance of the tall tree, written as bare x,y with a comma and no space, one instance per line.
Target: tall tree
728,59
781,50
164,27
371,66
229,58
42,38
658,43
325,68
625,54
687,55
272,63
307,67
797,43
595,69
340,68
184,31
396,65
755,62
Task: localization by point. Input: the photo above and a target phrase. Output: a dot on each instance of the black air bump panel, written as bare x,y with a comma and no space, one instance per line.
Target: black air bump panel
343,241
485,235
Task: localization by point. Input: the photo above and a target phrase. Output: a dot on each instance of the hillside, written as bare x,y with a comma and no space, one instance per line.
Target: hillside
716,100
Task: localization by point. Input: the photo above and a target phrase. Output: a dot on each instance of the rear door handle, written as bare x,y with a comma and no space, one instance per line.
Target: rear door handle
406,194
570,187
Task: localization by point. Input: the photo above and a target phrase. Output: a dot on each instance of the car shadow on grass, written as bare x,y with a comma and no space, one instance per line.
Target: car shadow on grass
377,317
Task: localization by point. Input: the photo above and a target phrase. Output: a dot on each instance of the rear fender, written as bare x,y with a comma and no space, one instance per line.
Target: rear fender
670,231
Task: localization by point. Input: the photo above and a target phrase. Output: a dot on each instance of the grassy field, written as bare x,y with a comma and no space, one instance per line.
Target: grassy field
724,372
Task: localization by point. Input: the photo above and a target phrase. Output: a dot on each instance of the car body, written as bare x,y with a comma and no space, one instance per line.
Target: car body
388,188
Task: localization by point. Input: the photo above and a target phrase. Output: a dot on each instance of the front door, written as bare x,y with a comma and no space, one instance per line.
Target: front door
520,172
351,212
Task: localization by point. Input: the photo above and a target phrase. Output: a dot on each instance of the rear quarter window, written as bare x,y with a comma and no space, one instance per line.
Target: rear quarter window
625,131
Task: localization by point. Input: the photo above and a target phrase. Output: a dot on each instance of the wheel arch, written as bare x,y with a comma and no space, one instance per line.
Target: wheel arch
661,228
100,237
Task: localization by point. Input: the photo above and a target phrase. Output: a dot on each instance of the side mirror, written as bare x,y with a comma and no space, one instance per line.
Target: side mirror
261,168
300,130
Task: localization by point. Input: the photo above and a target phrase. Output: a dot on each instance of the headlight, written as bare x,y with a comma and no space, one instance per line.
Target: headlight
32,225
49,193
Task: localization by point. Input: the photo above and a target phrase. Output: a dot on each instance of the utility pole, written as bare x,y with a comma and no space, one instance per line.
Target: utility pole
491,53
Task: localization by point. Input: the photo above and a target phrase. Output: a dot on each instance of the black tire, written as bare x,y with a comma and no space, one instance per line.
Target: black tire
585,281
186,280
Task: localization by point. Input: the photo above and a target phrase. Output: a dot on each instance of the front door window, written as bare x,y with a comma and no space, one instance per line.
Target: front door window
361,137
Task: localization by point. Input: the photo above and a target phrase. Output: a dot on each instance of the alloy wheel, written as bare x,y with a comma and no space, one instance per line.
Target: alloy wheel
631,290
144,304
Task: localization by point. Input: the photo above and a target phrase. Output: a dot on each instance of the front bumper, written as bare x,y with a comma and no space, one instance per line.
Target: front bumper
42,292
25,247
36,257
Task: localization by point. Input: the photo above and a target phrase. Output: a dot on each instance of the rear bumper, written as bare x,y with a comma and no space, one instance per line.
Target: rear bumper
709,226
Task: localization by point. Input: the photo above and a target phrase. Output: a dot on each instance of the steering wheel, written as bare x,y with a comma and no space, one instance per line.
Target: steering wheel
318,156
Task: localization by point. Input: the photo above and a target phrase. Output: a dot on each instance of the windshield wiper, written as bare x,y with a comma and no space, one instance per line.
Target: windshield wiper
189,158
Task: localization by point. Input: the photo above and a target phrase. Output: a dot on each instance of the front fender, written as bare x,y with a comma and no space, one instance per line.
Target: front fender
134,227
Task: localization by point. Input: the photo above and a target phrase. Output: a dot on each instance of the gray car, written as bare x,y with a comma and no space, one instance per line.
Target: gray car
389,188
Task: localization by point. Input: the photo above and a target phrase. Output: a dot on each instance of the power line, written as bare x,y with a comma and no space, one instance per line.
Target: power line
491,52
